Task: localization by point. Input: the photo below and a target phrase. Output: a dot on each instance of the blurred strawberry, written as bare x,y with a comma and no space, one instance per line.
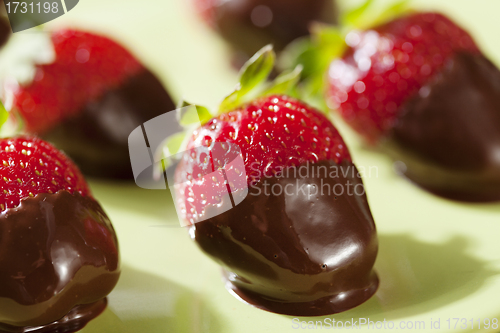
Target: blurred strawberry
89,99
248,25
385,66
419,84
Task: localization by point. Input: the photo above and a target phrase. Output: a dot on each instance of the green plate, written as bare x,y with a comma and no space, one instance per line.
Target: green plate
438,260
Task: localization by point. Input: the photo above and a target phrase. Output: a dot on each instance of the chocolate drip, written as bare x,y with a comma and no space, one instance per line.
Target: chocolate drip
288,20
448,135
97,137
300,252
59,259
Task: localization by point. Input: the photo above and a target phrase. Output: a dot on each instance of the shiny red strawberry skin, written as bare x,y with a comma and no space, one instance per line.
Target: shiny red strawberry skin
273,133
385,66
86,66
30,166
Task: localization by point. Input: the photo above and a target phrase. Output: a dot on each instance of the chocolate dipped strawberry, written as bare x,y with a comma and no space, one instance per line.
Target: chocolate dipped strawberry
261,188
58,251
248,25
87,99
419,85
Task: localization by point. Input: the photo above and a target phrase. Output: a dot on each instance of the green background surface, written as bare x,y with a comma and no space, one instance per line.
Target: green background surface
438,259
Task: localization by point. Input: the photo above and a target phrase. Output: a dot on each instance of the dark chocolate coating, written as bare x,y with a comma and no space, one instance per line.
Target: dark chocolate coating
448,135
295,253
5,29
290,20
97,137
58,258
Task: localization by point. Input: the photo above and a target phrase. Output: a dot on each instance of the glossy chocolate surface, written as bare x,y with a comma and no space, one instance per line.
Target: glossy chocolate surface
449,134
249,25
97,137
59,259
300,252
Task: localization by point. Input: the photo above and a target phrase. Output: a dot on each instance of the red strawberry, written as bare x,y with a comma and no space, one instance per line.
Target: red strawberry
421,83
387,65
89,99
58,249
277,235
80,74
31,166
273,133
248,25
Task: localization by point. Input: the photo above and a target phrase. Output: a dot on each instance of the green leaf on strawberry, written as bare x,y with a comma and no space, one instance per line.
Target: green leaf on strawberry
4,115
253,74
355,16
187,115
285,83
370,14
390,13
257,69
316,52
252,84
10,123
314,55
